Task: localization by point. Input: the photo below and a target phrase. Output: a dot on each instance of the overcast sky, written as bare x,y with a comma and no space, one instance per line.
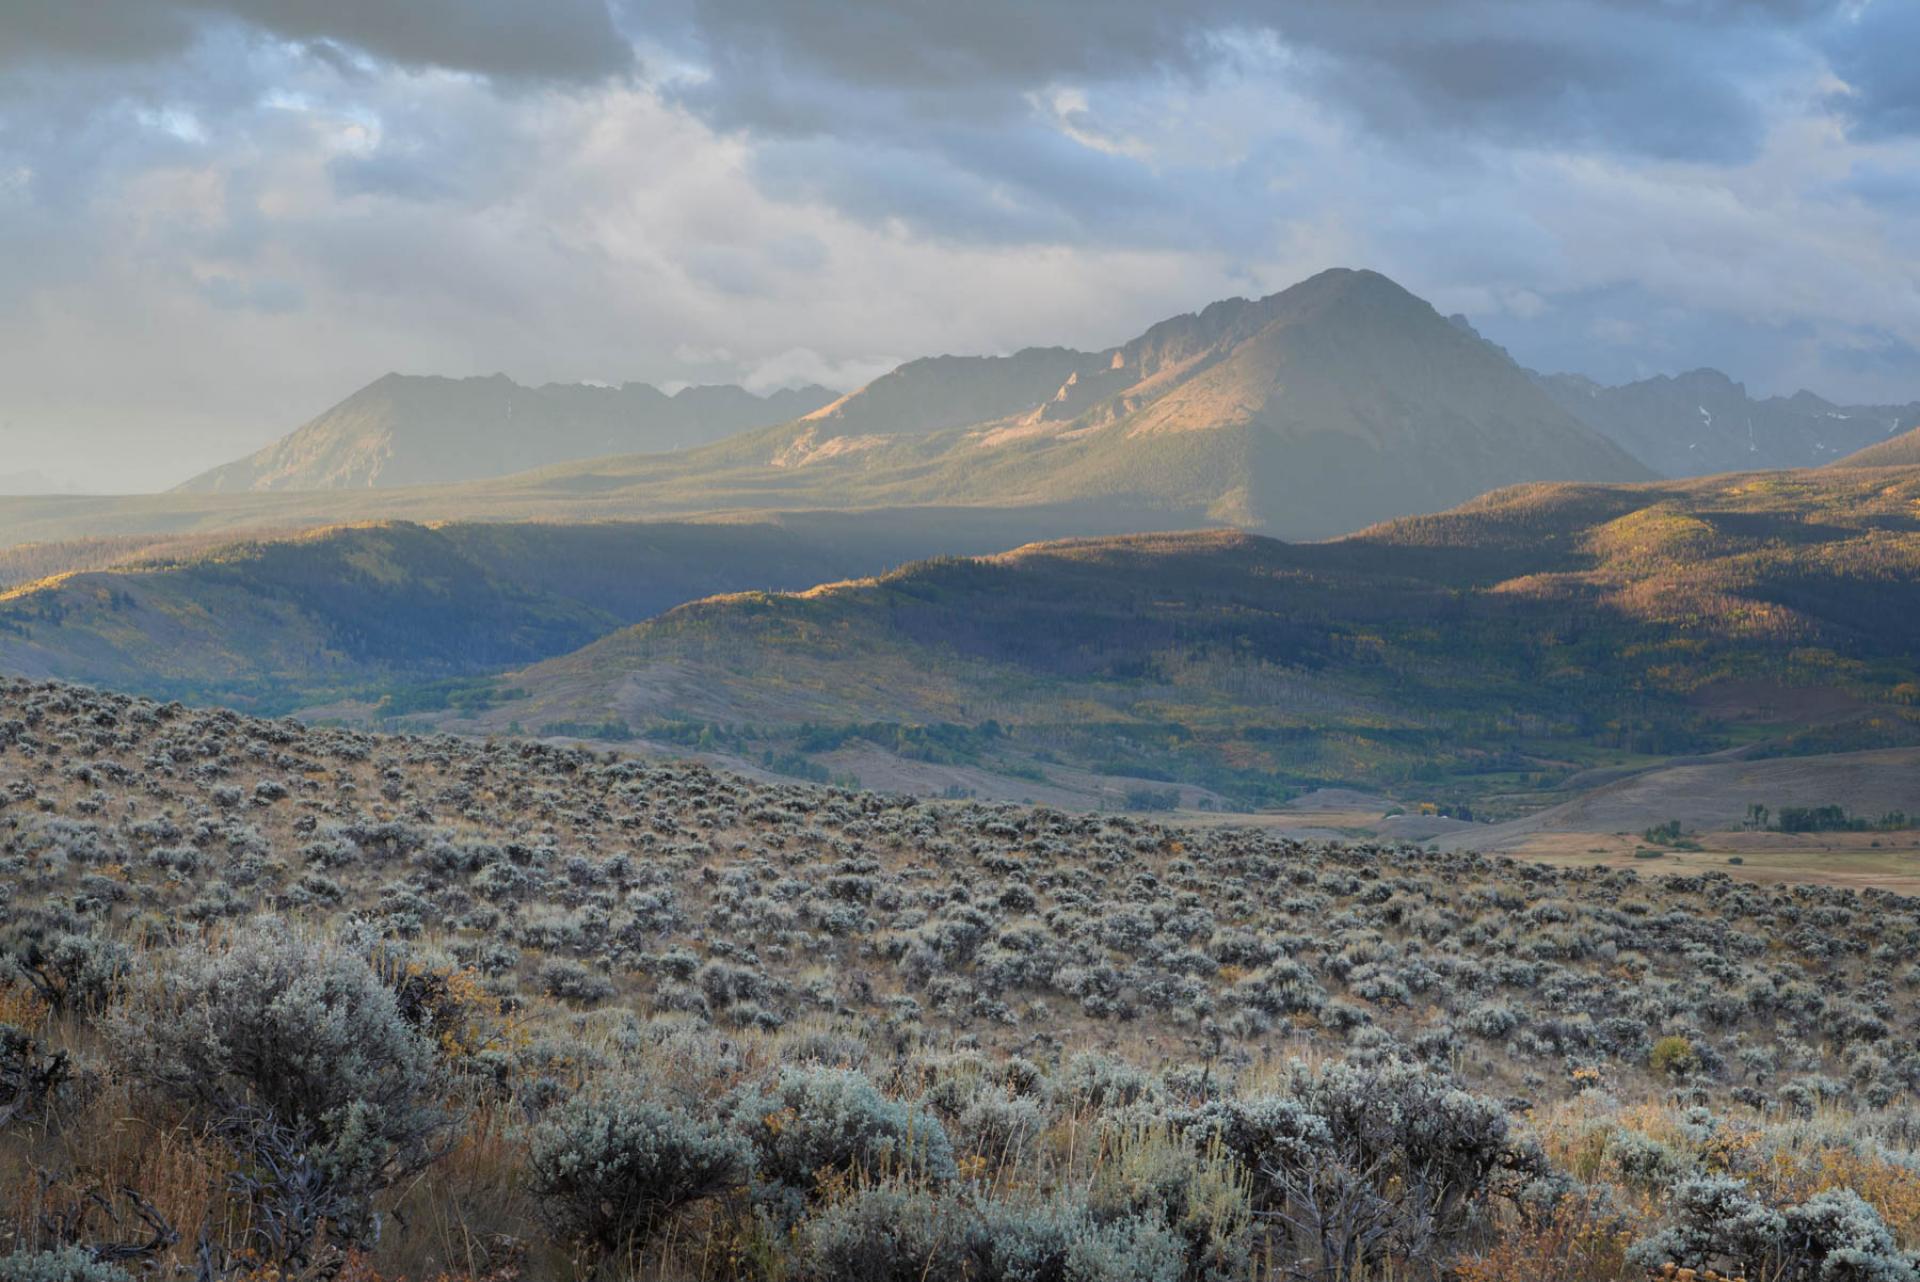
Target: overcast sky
219,216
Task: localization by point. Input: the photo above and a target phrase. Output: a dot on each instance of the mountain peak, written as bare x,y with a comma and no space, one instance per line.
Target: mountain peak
1353,285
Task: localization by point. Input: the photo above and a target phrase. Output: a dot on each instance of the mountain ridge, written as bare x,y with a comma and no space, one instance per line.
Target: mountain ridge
1702,421
1340,401
411,429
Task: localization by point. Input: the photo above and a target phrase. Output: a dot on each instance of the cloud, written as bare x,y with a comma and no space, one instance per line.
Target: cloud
222,215
552,39
1628,75
1873,45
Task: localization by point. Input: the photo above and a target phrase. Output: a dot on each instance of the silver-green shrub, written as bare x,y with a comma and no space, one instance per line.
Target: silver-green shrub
610,1166
822,1119
295,1030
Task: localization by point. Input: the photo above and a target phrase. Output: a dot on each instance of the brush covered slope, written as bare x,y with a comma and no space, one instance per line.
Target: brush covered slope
307,1003
396,613
1508,641
1702,422
417,430
1342,401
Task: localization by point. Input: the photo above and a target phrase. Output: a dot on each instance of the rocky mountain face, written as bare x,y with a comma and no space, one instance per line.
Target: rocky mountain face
416,430
1340,401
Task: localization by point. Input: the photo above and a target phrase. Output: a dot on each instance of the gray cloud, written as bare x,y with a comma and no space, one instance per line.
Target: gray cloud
220,215
551,39
1637,76
1875,49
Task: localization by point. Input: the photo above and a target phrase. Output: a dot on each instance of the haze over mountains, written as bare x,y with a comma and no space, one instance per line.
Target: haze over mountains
1310,413
1702,422
422,430
1306,414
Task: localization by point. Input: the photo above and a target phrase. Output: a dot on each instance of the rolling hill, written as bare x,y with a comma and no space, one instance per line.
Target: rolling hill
1702,422
1901,451
276,623
411,430
1509,643
1339,402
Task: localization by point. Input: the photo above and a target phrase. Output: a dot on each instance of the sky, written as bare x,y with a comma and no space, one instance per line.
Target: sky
217,217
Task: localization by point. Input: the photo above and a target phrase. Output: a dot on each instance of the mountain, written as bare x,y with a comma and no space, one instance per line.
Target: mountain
412,430
1898,451
1340,401
1702,422
1529,633
1310,413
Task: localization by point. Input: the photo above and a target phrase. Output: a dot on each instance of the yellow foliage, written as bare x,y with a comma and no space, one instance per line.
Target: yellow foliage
1892,1190
1576,1243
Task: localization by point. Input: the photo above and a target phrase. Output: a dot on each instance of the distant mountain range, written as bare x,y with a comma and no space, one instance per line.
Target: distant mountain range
1341,401
1702,422
419,430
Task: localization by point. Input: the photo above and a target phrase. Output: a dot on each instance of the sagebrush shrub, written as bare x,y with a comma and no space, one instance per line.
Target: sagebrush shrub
820,1119
894,1232
885,1233
68,1264
299,1031
1060,1241
1715,1220
1357,1160
1836,1236
572,982
611,1165
71,972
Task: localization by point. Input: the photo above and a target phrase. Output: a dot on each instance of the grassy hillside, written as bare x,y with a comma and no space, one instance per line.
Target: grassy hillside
1902,451
378,610
303,1003
1497,648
